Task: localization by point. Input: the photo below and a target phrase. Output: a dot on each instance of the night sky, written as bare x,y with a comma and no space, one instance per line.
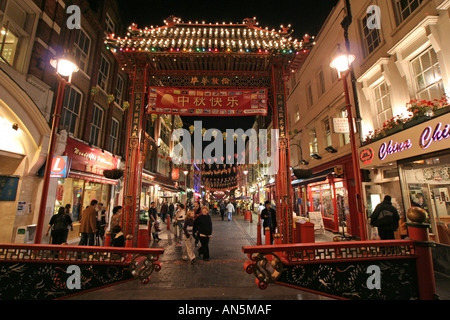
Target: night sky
305,17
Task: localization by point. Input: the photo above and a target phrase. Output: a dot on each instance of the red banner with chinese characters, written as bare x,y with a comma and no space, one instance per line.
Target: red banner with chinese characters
207,102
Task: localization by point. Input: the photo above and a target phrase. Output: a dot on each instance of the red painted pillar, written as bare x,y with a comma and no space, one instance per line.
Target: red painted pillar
168,222
424,262
135,152
283,177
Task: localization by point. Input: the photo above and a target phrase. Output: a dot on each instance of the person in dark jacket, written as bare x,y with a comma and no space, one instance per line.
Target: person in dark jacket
269,217
203,225
171,211
164,210
118,238
59,223
386,218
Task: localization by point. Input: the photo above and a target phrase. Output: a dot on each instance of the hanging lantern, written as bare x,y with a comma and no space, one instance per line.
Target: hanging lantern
224,136
154,116
191,129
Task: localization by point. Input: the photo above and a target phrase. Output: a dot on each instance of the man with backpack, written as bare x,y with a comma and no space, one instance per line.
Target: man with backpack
59,223
386,218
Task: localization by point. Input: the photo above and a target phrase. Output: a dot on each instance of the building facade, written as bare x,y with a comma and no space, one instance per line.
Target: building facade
404,66
91,126
401,55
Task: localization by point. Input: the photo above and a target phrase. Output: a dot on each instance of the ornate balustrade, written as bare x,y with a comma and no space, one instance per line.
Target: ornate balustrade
30,271
338,269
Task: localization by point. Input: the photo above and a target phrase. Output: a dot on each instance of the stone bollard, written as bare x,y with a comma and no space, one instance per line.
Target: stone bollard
418,232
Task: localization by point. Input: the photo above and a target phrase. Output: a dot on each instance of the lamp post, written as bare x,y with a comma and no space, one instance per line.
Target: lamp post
245,201
186,172
342,64
64,69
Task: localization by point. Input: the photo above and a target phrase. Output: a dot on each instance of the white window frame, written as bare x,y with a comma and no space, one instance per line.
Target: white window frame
321,86
103,75
368,34
113,135
309,96
110,25
69,109
434,67
120,86
24,33
96,125
382,103
399,11
313,143
84,56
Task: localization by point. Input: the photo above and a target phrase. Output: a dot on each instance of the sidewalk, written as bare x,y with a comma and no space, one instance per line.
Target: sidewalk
442,280
221,278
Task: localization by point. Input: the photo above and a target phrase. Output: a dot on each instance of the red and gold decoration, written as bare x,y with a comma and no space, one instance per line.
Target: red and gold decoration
199,102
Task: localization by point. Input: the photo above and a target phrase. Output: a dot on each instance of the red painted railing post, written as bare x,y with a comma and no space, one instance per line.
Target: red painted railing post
258,233
129,244
267,236
168,222
418,232
107,239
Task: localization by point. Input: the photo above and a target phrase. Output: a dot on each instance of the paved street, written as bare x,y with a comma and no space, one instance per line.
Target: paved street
223,277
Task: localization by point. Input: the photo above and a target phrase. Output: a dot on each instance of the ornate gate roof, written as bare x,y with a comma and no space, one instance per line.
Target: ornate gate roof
206,47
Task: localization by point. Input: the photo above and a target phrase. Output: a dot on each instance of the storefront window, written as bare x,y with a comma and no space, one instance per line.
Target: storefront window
322,200
426,184
342,203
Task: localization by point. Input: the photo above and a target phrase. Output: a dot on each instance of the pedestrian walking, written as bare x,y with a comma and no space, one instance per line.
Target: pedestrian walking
197,212
181,215
223,208
153,224
188,233
88,224
171,211
164,210
116,219
203,225
59,223
70,226
269,217
386,218
230,210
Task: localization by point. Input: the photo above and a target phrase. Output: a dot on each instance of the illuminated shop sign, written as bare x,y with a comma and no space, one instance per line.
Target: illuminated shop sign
429,136
391,147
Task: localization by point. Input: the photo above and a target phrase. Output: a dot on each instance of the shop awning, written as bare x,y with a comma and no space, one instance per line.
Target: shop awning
91,177
320,176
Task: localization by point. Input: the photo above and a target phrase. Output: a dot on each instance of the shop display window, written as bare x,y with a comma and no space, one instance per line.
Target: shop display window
426,184
322,200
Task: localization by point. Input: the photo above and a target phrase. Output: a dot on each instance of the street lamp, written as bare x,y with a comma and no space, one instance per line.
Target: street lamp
342,64
64,68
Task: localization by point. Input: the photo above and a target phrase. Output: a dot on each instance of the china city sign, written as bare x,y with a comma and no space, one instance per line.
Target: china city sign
429,136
